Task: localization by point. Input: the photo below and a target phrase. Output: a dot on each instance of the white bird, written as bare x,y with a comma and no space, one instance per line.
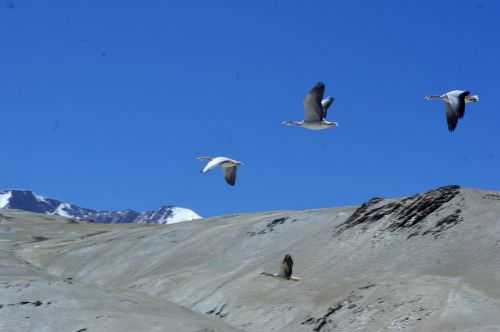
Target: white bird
454,102
228,166
315,110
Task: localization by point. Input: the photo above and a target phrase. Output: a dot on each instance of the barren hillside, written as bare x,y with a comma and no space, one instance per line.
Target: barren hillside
428,262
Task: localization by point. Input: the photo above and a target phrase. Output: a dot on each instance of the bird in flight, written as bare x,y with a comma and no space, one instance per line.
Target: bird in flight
315,107
454,103
286,269
228,166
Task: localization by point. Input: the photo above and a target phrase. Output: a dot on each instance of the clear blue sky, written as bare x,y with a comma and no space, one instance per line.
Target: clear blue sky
106,104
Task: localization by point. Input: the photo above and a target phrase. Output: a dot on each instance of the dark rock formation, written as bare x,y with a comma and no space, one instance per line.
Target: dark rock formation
270,226
218,311
405,213
494,197
444,224
326,321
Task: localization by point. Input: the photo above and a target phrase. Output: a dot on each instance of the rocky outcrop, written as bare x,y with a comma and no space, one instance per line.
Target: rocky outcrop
445,223
320,322
406,213
271,225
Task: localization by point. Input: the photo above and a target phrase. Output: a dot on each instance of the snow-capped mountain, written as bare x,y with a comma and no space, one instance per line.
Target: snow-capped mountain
29,201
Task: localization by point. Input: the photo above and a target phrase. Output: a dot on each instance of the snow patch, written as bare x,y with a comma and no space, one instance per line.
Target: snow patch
60,210
39,198
181,214
4,199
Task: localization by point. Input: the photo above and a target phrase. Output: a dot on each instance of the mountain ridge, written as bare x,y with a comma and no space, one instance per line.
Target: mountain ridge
27,200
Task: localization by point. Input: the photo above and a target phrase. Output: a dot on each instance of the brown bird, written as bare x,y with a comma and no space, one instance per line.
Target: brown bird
286,267
285,270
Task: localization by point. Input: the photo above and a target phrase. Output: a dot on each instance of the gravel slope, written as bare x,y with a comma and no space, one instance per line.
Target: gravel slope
425,263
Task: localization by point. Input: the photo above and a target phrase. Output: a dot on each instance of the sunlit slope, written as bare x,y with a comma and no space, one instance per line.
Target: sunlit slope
423,263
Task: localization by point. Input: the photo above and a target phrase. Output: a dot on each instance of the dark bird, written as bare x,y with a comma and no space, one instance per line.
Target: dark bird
286,270
286,267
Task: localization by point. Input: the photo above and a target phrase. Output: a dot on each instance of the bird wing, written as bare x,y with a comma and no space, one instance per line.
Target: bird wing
312,103
461,104
451,116
212,164
204,158
286,267
456,99
278,276
230,174
326,103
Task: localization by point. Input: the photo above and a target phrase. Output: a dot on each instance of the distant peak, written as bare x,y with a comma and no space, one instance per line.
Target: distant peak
18,191
27,200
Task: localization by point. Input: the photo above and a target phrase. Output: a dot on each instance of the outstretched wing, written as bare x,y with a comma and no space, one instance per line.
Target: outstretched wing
286,267
461,104
230,175
451,116
326,103
312,103
212,164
